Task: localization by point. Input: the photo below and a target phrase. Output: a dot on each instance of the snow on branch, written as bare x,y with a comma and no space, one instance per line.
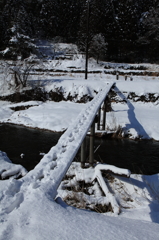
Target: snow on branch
116,171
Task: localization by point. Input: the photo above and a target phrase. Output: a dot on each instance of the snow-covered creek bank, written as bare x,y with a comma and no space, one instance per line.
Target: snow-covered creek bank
26,147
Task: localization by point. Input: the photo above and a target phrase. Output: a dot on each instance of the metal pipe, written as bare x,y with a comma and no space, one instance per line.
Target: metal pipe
83,153
99,117
91,147
104,114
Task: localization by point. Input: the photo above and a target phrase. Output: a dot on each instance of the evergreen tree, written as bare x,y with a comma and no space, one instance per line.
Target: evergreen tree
19,45
125,28
98,47
90,22
149,35
48,18
130,27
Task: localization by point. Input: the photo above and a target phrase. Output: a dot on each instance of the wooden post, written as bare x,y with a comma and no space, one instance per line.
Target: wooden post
83,153
91,147
104,114
117,76
99,116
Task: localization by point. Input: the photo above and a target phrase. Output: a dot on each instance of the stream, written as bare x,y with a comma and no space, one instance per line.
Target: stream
138,156
33,143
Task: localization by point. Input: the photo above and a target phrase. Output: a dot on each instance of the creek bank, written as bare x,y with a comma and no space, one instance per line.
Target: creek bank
147,97
57,95
39,94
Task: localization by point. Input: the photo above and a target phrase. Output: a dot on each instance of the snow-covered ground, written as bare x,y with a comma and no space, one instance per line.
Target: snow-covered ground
28,210
140,119
137,196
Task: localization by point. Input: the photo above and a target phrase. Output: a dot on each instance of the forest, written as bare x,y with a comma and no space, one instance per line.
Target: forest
129,28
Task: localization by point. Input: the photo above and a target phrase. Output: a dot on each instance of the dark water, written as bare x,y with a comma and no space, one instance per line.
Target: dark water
138,156
15,140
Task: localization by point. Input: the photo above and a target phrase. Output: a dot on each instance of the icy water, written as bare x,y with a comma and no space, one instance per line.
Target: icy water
138,156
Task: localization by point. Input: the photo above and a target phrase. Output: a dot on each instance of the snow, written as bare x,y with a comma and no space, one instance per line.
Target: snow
139,85
136,195
63,222
28,208
5,51
47,219
8,169
138,118
113,169
134,117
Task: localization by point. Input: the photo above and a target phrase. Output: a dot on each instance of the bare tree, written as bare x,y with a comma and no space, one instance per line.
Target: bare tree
21,73
18,73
